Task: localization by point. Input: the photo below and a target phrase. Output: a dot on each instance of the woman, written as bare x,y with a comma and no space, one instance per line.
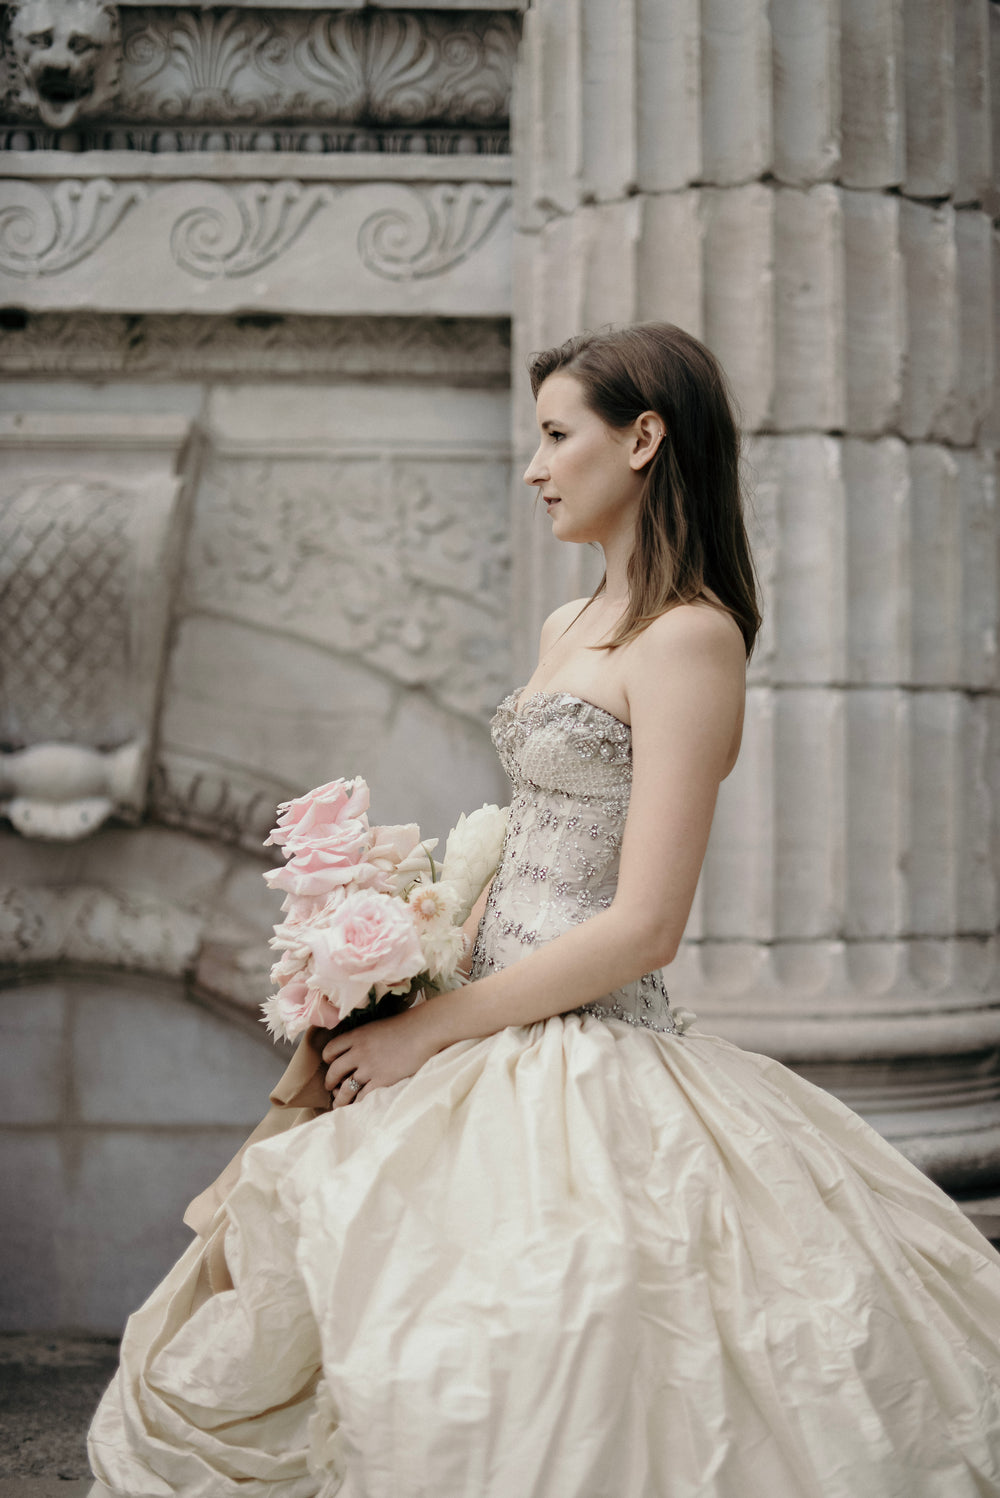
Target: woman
544,1244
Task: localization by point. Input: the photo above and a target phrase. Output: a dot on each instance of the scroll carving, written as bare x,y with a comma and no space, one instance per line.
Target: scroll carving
46,233
244,228
441,227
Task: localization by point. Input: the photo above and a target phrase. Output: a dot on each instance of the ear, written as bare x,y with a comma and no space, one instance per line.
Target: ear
648,431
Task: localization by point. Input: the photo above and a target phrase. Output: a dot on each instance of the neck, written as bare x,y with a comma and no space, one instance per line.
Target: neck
617,551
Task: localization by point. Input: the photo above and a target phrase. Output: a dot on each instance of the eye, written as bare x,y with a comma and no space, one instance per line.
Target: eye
80,44
41,39
556,436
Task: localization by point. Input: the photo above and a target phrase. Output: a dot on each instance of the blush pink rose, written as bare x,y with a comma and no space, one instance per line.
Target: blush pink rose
313,818
370,940
299,1004
319,872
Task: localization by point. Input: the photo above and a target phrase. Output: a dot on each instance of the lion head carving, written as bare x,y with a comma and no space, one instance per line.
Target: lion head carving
66,55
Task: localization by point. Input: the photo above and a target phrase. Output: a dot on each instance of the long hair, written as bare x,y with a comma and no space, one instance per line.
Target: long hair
690,533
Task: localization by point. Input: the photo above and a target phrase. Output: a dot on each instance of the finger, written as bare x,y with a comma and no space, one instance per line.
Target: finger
346,1095
336,1047
342,1067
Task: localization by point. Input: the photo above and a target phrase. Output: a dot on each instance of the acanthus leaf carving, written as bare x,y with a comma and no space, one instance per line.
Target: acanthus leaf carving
244,228
445,224
45,232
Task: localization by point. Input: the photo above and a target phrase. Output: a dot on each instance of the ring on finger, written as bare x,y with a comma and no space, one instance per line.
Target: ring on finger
353,1085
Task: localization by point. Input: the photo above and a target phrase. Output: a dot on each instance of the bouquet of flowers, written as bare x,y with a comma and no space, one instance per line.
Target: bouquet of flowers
368,912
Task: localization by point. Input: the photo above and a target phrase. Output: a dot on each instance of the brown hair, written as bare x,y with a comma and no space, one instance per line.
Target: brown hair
690,534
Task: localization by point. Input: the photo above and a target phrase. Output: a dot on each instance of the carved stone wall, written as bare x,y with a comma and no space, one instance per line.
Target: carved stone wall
269,79
810,187
282,233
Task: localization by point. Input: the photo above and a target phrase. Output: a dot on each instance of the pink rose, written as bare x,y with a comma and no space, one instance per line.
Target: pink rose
319,872
370,939
299,1004
312,818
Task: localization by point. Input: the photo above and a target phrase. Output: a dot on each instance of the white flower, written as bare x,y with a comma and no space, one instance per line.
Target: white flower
417,865
472,854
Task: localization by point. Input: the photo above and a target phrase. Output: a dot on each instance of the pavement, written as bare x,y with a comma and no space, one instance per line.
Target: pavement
49,1388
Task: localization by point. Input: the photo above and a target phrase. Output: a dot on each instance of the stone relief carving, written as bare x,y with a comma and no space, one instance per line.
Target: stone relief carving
378,67
441,227
468,351
85,579
402,564
234,229
244,228
64,58
44,232
217,75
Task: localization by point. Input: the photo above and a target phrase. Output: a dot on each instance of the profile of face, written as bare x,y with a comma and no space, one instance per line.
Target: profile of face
590,474
67,55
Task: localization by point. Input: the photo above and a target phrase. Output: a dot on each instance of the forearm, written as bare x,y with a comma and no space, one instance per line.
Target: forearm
581,965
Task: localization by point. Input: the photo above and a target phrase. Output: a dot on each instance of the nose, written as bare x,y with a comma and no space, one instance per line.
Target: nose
536,472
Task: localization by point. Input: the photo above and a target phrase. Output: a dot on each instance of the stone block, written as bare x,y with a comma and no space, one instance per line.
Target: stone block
120,1226
980,603
976,895
739,294
173,1062
668,57
936,756
736,126
930,375
876,483
608,99
973,146
275,707
809,830
806,102
547,145
877,814
670,261
33,1055
871,73
809,309
32,1187
761,477
936,547
810,594
976,291
737,885
875,312
929,93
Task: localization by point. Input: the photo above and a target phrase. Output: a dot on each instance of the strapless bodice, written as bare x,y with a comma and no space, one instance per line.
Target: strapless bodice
570,766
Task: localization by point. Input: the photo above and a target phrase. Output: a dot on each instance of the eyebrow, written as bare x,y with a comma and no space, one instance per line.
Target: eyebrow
552,422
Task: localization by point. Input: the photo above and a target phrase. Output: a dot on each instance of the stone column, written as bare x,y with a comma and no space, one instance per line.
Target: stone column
807,185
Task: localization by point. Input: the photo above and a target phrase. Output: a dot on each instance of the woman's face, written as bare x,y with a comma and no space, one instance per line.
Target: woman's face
584,469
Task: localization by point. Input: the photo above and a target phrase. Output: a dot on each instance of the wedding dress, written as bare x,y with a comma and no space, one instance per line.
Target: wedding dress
592,1257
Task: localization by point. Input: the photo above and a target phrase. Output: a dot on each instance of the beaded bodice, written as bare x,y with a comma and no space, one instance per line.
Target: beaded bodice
570,765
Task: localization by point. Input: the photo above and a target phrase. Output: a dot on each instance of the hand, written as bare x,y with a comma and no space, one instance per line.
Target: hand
378,1054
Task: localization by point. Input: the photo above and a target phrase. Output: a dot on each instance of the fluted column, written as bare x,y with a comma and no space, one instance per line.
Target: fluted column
807,184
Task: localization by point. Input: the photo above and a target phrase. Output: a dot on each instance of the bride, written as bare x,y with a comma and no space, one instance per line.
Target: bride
548,1243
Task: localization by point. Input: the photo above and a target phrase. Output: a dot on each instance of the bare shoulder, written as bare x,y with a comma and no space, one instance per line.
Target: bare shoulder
690,633
559,620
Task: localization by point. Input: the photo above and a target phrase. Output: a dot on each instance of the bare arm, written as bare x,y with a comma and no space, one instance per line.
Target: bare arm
684,679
